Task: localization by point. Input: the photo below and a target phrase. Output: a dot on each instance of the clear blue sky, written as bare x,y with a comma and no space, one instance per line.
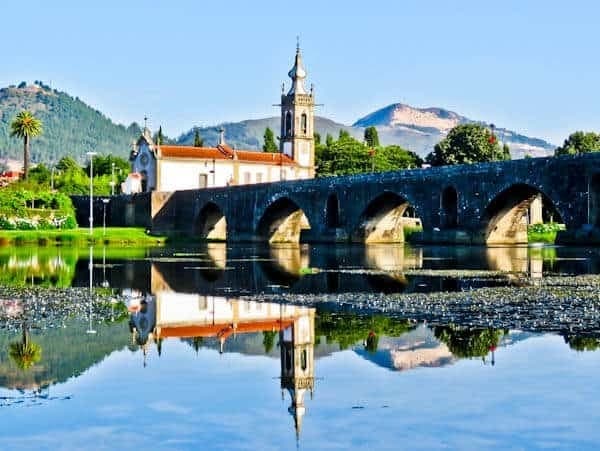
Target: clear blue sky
529,66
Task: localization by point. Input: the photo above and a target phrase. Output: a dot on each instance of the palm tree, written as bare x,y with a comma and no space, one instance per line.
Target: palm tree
25,353
25,126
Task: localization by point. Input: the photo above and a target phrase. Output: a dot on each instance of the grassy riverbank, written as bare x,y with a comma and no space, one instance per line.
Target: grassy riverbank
112,235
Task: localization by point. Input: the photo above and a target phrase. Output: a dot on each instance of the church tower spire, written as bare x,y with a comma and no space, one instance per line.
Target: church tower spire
297,118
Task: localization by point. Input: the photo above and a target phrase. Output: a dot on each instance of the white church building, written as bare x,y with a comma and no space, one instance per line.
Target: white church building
158,167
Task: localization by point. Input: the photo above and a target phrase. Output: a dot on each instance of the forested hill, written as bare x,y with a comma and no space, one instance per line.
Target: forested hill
70,126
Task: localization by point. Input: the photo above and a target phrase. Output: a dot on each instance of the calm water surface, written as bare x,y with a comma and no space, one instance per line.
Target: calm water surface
189,365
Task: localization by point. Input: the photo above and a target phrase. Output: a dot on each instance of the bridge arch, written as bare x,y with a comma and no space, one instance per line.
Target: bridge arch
332,211
282,222
449,208
211,223
507,215
382,221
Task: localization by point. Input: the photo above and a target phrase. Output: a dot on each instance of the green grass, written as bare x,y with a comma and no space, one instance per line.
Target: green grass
81,236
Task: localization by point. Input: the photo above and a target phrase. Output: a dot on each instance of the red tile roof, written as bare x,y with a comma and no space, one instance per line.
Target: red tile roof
224,153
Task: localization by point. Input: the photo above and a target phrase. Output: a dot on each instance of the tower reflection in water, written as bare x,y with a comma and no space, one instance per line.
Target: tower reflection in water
168,314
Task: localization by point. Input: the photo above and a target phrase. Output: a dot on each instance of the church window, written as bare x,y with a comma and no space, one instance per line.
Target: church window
303,123
288,124
303,360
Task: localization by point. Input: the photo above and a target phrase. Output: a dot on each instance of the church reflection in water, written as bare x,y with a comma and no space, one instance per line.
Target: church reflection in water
168,314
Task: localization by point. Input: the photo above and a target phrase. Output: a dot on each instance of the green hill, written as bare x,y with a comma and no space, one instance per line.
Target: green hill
70,126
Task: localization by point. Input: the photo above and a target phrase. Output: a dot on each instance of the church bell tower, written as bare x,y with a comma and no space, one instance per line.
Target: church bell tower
296,344
297,119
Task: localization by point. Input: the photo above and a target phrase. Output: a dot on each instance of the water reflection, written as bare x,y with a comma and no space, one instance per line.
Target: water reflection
170,315
218,268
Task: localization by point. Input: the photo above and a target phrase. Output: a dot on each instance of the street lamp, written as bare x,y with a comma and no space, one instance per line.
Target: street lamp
91,156
91,292
105,202
112,179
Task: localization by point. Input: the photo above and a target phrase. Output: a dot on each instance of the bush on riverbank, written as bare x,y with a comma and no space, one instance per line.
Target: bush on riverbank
544,233
22,209
81,236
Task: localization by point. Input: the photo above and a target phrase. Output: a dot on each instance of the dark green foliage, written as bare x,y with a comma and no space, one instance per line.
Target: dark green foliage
23,209
103,165
328,140
269,340
317,138
198,141
159,138
506,152
371,137
348,329
70,126
269,141
582,343
465,144
348,156
579,142
467,343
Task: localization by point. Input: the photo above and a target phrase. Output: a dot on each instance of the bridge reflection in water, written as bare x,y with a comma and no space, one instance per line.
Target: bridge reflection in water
167,315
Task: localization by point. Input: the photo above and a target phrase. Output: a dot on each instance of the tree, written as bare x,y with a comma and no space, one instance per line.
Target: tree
465,144
328,140
198,141
317,138
160,139
579,142
269,340
371,137
25,353
269,141
26,126
506,152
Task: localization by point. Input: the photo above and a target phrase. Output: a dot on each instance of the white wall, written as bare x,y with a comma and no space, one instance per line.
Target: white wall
181,174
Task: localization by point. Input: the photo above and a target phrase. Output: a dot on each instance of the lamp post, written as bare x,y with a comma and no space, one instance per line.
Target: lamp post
91,156
91,293
105,202
112,179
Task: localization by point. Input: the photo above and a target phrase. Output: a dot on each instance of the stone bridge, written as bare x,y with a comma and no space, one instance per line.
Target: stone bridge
488,203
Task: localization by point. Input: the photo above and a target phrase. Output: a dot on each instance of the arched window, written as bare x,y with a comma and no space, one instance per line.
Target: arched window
288,124
303,124
303,360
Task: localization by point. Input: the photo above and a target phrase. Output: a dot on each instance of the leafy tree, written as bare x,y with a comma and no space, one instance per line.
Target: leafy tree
160,139
317,138
269,340
198,141
68,164
103,165
465,342
506,152
371,137
25,353
269,141
465,144
25,126
582,343
348,156
328,140
344,134
40,174
579,142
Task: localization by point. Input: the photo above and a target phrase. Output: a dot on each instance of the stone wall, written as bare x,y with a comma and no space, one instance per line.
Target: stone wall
487,203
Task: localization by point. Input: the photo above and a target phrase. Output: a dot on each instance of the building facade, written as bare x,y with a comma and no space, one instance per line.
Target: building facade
158,167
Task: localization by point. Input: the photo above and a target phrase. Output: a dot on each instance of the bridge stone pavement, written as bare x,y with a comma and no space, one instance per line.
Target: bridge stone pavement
488,203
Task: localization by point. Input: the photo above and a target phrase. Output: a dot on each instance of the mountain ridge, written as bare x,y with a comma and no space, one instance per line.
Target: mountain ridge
71,128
